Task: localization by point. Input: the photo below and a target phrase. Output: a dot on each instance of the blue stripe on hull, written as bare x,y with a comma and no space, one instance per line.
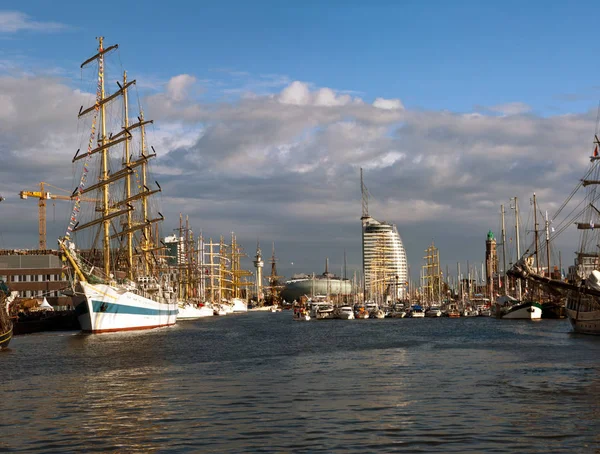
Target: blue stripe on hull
115,308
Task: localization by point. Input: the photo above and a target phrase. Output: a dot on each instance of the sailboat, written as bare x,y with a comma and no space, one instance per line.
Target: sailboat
582,287
508,307
126,290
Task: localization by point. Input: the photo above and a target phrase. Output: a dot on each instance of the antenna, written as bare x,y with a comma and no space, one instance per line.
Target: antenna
365,196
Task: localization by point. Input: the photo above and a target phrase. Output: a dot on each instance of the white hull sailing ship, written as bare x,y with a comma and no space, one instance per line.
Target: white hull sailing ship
126,292
582,287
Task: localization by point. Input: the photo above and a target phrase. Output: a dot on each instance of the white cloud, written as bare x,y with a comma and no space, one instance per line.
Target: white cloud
388,104
178,87
15,21
285,167
299,94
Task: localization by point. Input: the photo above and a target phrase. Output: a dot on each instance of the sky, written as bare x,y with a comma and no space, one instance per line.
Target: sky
265,112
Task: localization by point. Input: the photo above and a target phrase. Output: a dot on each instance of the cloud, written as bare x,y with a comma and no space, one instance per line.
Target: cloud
15,21
284,167
178,87
389,104
299,94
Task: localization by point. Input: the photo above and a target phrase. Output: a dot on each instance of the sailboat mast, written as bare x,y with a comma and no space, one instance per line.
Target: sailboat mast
126,162
535,224
147,231
104,170
503,247
518,245
548,244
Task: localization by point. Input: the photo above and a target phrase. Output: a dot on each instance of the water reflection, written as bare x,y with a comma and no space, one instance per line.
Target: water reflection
261,382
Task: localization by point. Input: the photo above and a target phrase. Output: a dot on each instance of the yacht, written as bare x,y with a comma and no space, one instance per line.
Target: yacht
417,311
345,313
433,311
361,313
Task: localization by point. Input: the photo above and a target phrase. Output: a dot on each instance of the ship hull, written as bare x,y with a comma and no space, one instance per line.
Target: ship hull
239,305
108,309
192,312
525,311
584,315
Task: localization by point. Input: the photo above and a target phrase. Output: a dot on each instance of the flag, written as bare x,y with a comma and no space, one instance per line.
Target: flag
596,152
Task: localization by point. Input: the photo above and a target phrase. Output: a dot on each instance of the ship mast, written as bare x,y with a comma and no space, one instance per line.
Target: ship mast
516,208
116,208
104,174
126,163
146,244
535,223
503,247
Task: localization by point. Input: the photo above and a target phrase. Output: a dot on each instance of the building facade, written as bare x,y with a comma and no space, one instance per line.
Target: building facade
385,267
35,274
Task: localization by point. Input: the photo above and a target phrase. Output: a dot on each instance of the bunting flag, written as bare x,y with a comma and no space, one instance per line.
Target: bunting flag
84,174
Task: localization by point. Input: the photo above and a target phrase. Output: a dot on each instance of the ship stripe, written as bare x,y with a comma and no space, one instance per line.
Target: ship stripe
115,308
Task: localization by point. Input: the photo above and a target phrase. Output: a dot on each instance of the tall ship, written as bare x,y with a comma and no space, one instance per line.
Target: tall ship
385,266
120,284
582,286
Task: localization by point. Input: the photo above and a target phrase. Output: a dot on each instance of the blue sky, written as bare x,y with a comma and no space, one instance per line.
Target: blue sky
432,55
248,92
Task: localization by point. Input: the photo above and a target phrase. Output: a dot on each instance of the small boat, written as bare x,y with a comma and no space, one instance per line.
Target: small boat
361,313
377,313
469,312
416,311
345,313
433,311
484,311
301,314
322,311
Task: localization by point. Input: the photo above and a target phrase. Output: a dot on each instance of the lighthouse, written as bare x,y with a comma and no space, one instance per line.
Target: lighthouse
258,264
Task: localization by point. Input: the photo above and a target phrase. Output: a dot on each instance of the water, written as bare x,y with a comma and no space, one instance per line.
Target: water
260,382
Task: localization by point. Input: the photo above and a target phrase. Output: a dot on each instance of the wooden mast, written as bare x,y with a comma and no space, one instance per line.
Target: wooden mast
104,171
126,163
147,245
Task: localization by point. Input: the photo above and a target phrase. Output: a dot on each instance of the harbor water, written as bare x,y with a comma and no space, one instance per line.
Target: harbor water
260,382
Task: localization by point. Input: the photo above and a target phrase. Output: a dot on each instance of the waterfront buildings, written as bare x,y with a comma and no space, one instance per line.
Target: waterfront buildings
35,274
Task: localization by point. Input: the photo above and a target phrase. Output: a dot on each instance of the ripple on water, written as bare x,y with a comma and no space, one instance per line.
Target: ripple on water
262,383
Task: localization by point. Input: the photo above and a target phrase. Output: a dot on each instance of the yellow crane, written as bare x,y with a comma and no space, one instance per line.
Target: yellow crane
42,195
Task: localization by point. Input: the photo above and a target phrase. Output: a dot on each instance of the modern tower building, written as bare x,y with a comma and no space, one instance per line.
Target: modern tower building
384,259
385,267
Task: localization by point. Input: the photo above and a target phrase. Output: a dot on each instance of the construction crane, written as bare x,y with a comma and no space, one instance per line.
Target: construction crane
44,195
